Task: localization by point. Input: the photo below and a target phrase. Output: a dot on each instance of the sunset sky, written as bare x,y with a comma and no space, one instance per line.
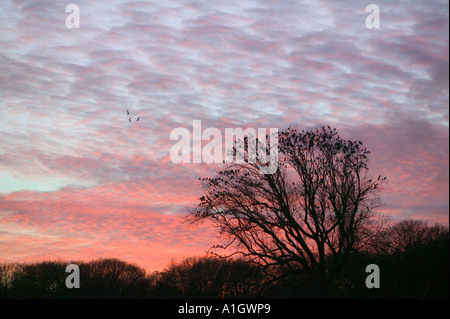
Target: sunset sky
79,181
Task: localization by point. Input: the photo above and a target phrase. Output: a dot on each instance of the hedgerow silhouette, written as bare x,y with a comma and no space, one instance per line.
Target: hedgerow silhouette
413,258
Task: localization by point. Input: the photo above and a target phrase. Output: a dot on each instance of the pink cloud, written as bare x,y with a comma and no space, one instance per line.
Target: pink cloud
101,222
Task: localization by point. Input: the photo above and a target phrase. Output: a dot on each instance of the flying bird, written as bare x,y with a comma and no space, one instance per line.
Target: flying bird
131,117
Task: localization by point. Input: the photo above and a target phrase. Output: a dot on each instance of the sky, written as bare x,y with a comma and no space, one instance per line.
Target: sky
79,181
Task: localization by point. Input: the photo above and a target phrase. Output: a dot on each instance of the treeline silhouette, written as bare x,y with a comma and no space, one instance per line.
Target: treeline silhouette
413,259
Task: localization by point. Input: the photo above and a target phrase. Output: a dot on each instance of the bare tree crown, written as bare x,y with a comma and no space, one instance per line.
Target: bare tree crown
308,216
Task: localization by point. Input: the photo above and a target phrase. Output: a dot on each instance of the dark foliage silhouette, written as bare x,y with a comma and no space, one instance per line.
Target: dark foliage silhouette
209,278
414,262
38,280
307,218
104,278
113,278
417,270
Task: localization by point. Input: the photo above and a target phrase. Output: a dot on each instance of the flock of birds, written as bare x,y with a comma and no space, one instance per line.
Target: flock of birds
130,117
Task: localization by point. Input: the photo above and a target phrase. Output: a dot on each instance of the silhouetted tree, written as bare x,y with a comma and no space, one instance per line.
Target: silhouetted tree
413,258
38,280
209,277
404,235
7,273
113,278
103,278
309,216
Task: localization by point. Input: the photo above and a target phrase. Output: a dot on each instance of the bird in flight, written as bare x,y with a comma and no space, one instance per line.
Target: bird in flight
131,117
